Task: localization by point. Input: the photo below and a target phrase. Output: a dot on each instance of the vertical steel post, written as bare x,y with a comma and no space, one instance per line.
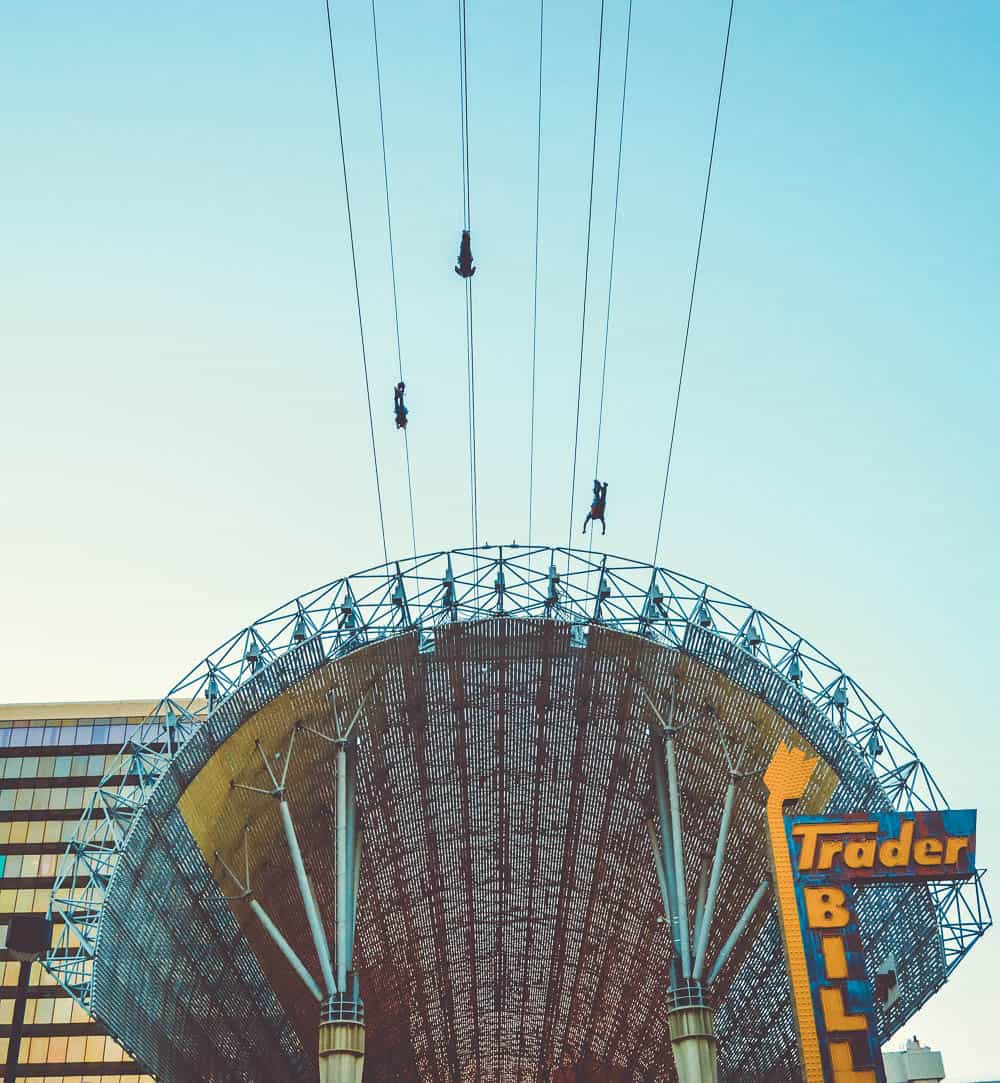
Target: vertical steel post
308,901
352,846
699,902
705,927
666,834
675,823
342,866
342,1024
661,874
17,1022
355,886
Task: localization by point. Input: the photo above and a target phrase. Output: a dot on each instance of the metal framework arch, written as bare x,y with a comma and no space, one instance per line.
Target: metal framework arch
463,585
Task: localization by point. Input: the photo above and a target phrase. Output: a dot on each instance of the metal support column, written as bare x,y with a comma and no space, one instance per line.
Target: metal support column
342,1025
285,948
692,1034
308,900
705,926
690,1017
678,846
667,857
342,865
272,930
739,929
17,1023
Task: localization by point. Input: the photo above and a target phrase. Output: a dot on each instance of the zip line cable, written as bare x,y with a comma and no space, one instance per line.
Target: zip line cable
470,353
694,283
534,304
614,237
357,288
586,276
392,266
611,268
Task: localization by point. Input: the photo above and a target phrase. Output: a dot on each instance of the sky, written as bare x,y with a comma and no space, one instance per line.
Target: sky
184,440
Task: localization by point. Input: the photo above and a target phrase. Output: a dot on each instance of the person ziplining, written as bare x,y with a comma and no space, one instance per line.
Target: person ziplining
464,267
596,513
399,407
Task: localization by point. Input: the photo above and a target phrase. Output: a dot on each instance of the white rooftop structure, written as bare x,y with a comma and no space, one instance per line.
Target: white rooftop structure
915,1064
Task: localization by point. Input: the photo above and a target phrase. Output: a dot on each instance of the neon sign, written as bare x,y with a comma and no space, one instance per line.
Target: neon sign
816,861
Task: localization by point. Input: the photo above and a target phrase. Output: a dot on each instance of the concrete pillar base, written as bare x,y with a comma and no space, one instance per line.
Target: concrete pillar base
341,1052
692,1036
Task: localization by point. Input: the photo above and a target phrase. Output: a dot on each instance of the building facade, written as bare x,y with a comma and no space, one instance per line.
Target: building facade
52,756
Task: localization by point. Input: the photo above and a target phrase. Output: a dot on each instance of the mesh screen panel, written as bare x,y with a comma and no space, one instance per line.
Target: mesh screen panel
509,917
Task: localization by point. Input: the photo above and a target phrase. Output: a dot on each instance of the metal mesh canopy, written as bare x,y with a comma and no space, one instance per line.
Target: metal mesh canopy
509,921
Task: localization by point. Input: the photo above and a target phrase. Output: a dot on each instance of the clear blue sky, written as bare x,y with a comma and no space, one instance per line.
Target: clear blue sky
184,440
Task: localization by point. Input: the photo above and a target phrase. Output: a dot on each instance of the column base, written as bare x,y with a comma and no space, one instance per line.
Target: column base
342,1037
341,1052
692,1036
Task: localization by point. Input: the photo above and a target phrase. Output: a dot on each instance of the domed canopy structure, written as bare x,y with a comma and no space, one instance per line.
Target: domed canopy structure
478,738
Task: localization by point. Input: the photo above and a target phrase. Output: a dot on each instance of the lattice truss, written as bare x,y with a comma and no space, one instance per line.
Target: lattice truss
125,911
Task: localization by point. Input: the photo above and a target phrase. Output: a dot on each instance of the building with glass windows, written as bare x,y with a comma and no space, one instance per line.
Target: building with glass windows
52,756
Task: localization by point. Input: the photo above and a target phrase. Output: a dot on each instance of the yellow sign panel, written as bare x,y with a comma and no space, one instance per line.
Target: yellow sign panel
817,860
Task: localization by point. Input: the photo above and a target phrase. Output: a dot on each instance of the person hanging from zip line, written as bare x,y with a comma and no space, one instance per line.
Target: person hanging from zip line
596,513
399,406
465,267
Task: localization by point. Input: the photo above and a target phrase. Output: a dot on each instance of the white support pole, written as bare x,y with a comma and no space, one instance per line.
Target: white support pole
661,873
699,903
285,948
352,858
356,884
675,824
308,901
342,890
705,928
739,930
666,834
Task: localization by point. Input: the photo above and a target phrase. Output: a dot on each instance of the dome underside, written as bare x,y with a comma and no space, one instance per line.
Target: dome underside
510,925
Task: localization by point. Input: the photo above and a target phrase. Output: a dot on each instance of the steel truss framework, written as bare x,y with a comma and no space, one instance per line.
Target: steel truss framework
421,595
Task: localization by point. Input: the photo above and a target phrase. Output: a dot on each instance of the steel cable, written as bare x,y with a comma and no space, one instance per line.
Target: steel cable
392,267
357,288
694,283
470,353
614,238
586,276
534,305
611,267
